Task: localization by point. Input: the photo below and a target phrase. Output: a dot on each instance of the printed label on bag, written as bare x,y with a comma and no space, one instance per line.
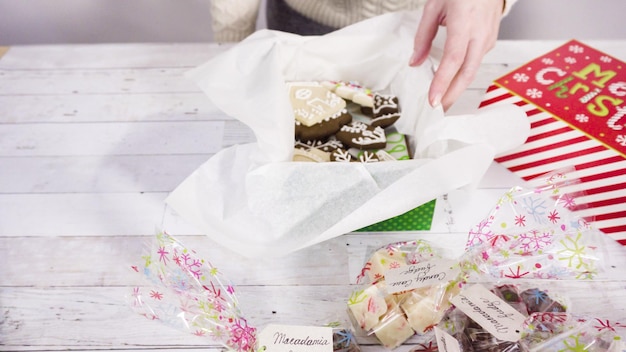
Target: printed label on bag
445,341
424,274
293,338
489,311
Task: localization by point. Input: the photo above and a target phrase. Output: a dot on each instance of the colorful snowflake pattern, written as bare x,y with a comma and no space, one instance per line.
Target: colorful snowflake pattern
532,234
190,294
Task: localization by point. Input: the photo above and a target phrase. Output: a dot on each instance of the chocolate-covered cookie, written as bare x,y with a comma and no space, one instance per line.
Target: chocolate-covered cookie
323,129
313,103
310,155
362,136
341,155
386,110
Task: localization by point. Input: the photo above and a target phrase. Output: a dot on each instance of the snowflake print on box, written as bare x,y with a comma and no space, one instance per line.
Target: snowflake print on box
573,79
532,234
190,294
575,99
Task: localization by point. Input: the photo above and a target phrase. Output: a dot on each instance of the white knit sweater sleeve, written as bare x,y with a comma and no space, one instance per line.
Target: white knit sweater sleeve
233,20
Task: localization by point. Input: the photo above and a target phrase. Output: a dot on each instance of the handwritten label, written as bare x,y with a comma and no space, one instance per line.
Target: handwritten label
424,274
445,341
293,338
489,311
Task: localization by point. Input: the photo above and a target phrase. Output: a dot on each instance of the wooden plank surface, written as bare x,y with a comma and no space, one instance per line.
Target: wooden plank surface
92,140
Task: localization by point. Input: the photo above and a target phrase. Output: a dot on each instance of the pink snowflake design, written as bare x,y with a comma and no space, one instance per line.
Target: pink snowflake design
230,289
605,325
367,267
554,216
498,238
425,348
215,296
156,295
551,317
163,255
192,265
199,332
480,233
534,241
394,265
518,274
243,335
567,201
520,220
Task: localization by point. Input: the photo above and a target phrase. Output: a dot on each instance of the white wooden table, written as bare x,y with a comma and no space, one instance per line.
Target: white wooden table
92,140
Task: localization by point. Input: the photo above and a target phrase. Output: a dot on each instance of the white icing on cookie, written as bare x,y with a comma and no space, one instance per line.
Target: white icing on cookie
366,135
314,103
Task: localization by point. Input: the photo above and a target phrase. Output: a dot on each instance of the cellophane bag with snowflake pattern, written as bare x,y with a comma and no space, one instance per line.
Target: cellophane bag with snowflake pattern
532,234
187,292
561,331
404,291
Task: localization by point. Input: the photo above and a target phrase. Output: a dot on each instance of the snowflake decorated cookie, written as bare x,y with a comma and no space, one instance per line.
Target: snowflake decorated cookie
362,136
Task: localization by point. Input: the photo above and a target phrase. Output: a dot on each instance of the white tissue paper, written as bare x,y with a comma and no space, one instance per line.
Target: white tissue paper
254,200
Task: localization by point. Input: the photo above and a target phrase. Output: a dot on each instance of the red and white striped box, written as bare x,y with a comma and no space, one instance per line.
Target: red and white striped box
575,98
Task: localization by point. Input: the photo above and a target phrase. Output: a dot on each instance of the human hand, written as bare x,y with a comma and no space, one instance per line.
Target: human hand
472,30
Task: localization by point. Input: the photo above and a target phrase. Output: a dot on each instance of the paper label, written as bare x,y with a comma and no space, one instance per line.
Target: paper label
292,338
423,274
445,341
489,311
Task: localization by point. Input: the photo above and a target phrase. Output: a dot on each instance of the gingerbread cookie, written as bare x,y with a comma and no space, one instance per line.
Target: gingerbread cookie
362,136
353,91
341,155
310,155
313,103
327,145
323,129
365,156
386,110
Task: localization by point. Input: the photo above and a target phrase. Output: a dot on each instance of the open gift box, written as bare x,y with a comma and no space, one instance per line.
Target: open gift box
253,199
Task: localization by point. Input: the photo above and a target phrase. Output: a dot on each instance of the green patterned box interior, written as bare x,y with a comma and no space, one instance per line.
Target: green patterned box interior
418,219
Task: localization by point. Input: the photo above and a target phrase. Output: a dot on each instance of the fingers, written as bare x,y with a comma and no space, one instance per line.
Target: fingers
426,31
463,76
472,29
454,56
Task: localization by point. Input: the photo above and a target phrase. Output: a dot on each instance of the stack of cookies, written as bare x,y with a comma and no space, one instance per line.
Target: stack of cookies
345,122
